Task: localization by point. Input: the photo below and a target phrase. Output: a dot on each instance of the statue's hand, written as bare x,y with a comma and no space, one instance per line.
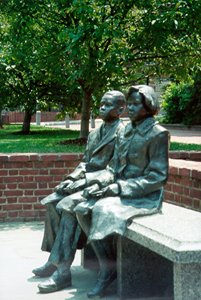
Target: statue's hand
76,186
111,190
59,189
88,192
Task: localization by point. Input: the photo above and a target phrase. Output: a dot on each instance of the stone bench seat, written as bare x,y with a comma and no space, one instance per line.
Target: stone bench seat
160,256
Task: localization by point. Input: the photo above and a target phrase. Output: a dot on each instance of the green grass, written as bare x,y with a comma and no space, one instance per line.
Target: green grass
43,141
186,147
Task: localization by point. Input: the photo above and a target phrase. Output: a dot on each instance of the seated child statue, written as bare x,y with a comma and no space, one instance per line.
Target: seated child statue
61,228
131,185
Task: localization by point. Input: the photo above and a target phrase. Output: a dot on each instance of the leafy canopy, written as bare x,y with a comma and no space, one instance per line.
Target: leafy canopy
85,47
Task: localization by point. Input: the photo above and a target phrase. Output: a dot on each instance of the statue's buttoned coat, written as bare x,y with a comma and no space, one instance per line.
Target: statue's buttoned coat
99,151
140,168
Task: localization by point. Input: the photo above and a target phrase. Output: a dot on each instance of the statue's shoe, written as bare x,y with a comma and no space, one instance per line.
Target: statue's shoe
102,283
45,271
55,283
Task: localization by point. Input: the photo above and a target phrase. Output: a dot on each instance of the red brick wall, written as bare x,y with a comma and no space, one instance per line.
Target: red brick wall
18,117
46,116
187,155
25,179
184,184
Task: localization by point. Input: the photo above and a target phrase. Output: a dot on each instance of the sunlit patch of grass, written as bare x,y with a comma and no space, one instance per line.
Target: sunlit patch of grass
44,140
186,147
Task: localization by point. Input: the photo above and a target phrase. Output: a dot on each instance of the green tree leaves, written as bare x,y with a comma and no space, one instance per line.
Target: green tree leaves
86,47
182,102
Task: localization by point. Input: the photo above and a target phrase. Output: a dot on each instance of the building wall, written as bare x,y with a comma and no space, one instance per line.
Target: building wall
25,179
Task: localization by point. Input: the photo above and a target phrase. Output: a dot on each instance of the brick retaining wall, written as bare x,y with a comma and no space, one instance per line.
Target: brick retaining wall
186,155
25,179
184,184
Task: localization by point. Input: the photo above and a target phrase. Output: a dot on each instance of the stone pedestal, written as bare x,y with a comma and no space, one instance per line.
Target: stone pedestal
187,281
141,272
88,258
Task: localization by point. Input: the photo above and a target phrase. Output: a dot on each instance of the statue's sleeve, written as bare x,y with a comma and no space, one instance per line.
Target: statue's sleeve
107,176
80,171
155,174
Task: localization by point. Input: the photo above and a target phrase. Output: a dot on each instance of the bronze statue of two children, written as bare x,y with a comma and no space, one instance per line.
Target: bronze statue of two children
122,176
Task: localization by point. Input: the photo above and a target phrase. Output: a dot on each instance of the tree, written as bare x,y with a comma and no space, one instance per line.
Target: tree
29,78
3,93
109,44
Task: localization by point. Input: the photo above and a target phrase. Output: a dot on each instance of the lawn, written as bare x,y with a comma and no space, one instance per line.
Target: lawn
44,140
186,147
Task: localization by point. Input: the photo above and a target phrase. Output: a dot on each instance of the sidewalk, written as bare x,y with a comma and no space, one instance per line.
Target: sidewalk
20,253
179,136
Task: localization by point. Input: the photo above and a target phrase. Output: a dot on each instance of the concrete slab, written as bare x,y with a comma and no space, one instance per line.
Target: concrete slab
20,253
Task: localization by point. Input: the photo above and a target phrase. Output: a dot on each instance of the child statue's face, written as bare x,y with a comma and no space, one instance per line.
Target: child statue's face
135,107
109,108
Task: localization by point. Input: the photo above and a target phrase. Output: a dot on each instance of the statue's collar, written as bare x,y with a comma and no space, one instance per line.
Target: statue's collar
142,128
112,124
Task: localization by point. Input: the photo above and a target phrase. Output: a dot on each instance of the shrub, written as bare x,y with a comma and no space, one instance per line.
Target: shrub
182,102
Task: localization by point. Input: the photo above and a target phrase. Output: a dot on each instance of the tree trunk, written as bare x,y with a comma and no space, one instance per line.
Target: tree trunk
27,121
86,103
1,125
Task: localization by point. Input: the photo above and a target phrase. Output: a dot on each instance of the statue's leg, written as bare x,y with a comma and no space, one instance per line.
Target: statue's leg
52,221
107,272
106,254
85,221
62,255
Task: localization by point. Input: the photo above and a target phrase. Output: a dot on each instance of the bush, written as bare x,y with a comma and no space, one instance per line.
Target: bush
182,102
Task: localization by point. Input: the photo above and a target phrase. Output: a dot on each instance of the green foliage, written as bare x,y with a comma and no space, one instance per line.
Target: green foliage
42,140
82,48
31,73
182,102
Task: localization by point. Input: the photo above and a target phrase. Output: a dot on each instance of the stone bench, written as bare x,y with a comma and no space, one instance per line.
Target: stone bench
160,256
